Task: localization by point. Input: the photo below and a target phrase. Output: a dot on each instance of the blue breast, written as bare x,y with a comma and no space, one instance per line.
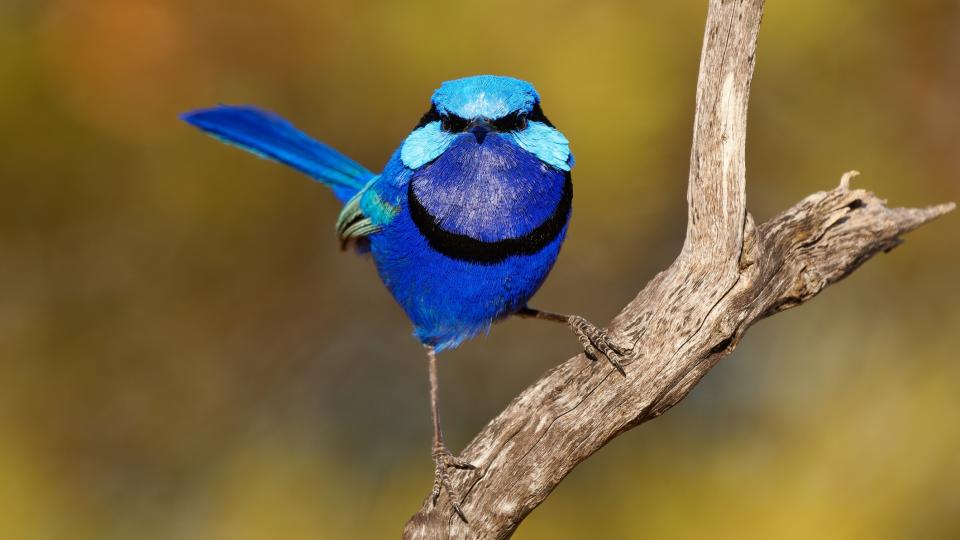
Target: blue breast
478,231
489,191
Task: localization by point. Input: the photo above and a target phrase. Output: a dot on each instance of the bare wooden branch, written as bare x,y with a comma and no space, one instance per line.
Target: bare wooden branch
716,193
729,274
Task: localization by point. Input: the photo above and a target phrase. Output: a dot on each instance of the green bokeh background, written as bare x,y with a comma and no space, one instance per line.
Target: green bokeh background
185,354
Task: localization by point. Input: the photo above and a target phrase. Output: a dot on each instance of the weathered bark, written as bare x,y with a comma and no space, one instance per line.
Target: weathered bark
729,274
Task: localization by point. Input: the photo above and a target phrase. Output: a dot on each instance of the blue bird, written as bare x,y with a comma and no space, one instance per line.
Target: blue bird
464,223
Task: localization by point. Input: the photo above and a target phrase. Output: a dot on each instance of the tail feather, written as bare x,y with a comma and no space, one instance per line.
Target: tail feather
271,137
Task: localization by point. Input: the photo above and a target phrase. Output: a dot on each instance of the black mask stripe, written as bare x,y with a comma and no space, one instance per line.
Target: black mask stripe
537,115
465,248
456,124
430,116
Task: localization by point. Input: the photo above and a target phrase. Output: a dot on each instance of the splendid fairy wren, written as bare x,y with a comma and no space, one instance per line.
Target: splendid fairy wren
464,223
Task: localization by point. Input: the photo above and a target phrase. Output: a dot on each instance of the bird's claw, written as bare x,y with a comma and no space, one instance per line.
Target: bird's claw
443,459
596,342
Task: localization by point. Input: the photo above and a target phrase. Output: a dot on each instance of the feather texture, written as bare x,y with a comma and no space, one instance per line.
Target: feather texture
486,96
489,191
271,137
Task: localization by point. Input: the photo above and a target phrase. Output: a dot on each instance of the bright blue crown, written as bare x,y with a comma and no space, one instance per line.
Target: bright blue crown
486,96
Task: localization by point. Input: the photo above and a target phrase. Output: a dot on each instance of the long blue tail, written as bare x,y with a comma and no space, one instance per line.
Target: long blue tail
271,137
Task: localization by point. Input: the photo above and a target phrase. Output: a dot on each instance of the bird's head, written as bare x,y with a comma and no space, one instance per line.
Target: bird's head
482,107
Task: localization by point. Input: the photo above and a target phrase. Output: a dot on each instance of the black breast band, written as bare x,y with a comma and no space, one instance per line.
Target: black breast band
466,248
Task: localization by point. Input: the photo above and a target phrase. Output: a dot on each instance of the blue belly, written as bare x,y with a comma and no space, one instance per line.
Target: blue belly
451,300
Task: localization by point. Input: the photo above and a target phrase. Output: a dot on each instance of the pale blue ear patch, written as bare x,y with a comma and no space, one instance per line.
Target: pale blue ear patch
545,142
424,145
486,96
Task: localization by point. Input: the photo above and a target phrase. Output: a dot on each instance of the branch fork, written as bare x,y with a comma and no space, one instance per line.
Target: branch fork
730,274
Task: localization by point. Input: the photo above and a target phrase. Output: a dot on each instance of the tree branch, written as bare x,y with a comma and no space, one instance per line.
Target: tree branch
729,274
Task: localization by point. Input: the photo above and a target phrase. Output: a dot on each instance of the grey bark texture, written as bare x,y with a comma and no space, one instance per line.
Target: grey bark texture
729,274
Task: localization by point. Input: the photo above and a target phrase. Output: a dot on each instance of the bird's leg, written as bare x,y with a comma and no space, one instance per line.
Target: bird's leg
443,459
592,338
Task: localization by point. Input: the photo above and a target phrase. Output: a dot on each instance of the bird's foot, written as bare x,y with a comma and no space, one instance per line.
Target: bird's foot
443,459
596,341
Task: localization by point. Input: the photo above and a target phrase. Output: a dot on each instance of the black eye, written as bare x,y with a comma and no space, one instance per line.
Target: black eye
513,122
452,123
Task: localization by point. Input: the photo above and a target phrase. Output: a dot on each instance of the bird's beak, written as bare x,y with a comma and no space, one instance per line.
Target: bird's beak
479,127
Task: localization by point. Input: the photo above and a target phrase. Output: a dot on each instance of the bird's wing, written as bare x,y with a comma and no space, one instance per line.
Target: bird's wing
364,214
352,224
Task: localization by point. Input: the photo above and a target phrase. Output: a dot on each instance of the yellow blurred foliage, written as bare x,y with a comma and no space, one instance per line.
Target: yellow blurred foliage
176,358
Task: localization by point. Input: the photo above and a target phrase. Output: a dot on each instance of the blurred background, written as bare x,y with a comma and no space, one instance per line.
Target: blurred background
185,354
